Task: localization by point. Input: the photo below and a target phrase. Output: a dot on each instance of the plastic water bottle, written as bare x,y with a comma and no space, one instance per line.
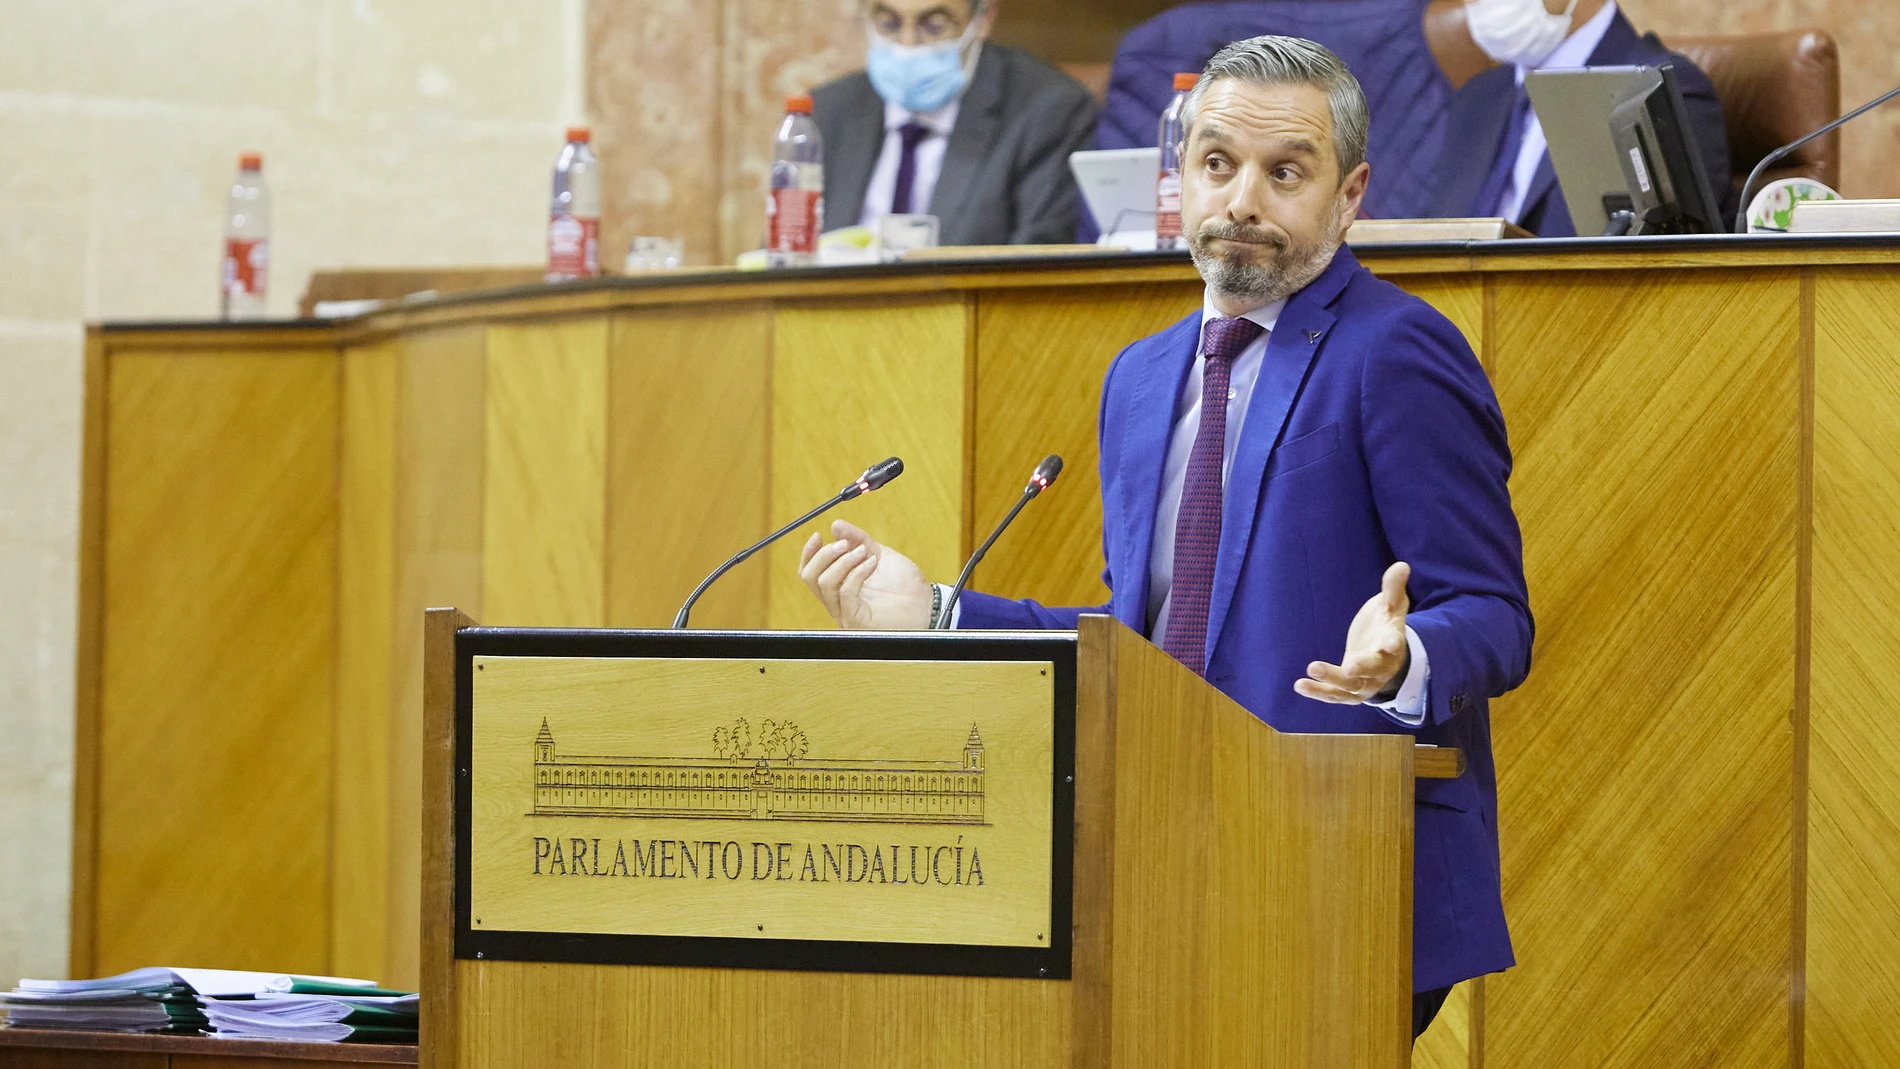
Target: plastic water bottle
795,205
246,272
574,217
1168,185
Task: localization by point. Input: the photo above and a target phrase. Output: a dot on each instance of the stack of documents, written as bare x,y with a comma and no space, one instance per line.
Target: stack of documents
315,1016
222,1002
144,1000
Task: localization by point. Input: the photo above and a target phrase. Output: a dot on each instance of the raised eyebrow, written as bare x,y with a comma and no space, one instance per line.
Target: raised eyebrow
1206,131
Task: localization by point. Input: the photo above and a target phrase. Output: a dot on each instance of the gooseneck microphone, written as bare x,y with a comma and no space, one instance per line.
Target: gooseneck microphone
874,476
1748,187
1039,480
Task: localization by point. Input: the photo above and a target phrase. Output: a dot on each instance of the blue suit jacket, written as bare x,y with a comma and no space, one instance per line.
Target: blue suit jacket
1480,110
1382,41
1372,436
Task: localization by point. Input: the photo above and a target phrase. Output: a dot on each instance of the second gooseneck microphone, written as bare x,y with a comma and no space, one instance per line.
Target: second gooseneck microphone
874,476
1039,480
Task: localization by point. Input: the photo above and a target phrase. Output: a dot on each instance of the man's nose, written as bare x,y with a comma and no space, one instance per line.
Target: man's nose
1247,196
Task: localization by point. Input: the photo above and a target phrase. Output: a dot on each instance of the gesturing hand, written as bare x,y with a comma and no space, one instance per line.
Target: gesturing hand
1376,650
864,584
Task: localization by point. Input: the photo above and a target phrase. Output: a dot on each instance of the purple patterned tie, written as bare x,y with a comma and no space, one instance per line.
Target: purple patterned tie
911,134
1197,526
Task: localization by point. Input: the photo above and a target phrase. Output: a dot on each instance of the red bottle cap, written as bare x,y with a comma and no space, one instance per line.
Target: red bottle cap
1184,82
251,161
578,133
798,105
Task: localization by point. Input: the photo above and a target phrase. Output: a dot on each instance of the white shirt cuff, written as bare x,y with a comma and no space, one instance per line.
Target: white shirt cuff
1408,706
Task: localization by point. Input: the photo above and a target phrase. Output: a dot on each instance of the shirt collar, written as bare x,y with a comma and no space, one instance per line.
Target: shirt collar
1266,316
1576,49
939,122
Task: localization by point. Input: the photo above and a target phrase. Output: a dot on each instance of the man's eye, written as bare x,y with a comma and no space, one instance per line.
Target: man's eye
1284,174
1216,164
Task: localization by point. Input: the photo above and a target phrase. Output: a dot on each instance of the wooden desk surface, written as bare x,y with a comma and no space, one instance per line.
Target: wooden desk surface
15,1043
702,285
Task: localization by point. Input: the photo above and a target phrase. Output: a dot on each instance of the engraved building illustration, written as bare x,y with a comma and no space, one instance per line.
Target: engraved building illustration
780,786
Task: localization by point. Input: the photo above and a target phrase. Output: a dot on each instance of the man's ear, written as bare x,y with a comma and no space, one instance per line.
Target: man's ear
1353,190
987,17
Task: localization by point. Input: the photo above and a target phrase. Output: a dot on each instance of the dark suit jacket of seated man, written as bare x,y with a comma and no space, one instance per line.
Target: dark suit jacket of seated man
1364,495
1004,174
1477,130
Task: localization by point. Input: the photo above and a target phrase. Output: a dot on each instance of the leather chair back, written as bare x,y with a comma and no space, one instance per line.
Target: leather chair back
1774,88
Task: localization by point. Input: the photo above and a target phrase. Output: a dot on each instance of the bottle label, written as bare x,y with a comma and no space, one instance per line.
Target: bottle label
1168,205
573,246
795,208
246,266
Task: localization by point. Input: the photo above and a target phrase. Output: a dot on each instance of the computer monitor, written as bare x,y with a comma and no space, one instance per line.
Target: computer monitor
1669,192
1574,106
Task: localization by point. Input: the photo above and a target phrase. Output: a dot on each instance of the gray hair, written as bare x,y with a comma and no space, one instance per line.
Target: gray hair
1273,60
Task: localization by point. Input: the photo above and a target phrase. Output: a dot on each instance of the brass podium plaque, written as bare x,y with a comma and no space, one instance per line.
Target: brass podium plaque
690,804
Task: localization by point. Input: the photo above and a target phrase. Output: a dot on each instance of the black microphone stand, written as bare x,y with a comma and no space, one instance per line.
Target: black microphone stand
1748,187
875,476
1045,474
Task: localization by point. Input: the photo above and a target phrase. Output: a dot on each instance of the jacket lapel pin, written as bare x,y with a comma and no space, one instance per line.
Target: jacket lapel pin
1312,336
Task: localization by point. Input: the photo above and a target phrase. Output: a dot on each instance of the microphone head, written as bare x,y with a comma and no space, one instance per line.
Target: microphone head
1045,473
876,476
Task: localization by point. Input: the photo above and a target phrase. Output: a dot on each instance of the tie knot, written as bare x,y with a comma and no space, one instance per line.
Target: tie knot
1226,338
913,133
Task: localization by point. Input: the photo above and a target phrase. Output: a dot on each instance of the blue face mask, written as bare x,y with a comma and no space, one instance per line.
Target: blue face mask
918,78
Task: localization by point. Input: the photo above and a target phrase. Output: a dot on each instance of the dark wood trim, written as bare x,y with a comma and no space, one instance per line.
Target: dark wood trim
258,1050
1803,658
89,662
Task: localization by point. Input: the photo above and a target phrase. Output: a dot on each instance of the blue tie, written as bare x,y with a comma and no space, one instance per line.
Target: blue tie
1490,200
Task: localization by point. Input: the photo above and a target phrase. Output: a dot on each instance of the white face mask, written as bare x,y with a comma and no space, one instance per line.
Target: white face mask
1517,31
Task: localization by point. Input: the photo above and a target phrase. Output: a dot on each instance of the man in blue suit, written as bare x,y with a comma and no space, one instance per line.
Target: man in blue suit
1495,161
1314,455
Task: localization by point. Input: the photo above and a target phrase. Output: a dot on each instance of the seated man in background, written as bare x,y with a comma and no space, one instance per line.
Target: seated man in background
942,123
1495,160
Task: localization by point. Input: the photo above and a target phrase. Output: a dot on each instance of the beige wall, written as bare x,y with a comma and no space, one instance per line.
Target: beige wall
393,131
687,94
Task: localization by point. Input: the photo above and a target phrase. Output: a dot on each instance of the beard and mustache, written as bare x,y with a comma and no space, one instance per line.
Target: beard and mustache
1290,269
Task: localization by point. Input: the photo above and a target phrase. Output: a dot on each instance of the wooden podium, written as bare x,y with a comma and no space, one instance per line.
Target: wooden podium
670,848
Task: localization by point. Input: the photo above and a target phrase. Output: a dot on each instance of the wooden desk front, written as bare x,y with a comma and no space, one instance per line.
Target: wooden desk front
1699,793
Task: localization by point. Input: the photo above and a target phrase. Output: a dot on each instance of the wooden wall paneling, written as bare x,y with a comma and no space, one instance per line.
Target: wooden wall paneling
545,506
441,421
366,602
219,662
1853,945
1459,298
88,674
1447,1044
1646,764
1040,358
689,462
851,385
652,1017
